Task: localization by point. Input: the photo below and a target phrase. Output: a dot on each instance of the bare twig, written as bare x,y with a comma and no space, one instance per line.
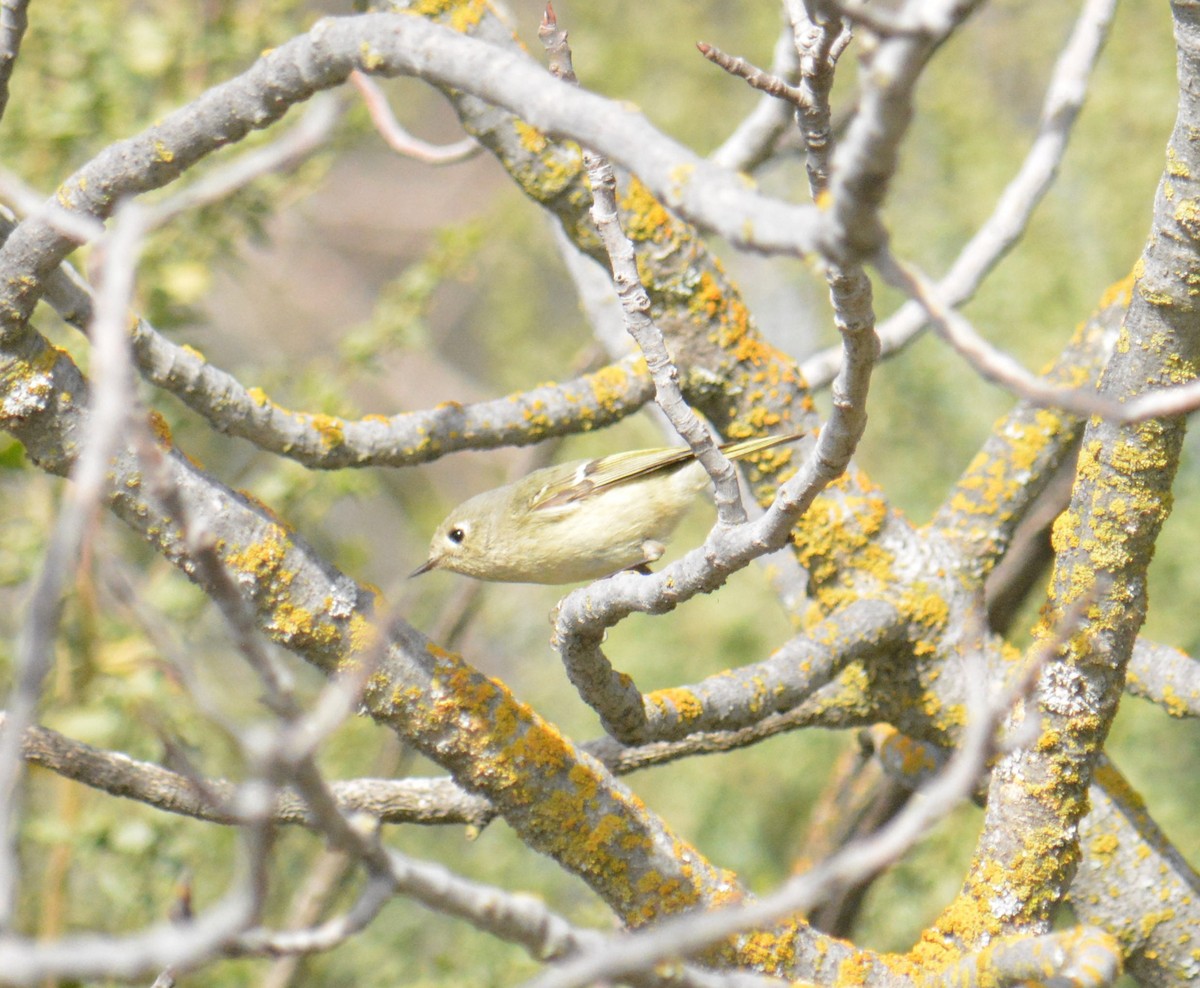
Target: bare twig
766,82
819,44
1065,95
998,366
635,305
399,139
754,139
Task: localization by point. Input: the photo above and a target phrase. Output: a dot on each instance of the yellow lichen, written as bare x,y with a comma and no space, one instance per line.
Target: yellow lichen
646,218
162,431
331,430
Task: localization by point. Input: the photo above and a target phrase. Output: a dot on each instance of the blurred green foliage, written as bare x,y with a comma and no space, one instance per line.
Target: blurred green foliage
488,295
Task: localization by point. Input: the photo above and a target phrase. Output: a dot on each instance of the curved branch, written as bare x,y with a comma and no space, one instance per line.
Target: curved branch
1166,676
1064,99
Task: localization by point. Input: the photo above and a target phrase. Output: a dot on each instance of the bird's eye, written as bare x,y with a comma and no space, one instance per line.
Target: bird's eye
456,535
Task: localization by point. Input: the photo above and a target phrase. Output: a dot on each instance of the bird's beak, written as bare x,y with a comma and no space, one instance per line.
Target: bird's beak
425,567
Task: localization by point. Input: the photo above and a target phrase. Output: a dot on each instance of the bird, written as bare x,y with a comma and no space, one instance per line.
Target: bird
578,521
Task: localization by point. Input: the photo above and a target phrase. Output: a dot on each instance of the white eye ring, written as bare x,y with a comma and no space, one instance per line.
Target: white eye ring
456,535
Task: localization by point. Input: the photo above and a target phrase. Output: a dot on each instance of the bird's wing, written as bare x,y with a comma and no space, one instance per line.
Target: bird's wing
592,476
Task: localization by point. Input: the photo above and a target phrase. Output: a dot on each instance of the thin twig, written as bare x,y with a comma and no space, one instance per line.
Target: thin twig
754,140
399,139
1065,96
996,365
635,303
765,82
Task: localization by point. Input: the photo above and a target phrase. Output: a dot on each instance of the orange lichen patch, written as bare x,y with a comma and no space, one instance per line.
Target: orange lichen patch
1150,920
1064,533
1131,496
561,803
854,970
1157,298
364,635
935,950
258,396
925,607
708,299
535,416
260,569
772,952
995,897
780,371
912,758
162,431
682,703
852,696
553,172
1143,452
946,717
762,418
1175,167
1187,215
1174,704
928,610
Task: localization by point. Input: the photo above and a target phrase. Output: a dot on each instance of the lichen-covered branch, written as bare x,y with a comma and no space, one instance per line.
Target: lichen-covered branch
1026,446
1166,676
1121,498
1133,883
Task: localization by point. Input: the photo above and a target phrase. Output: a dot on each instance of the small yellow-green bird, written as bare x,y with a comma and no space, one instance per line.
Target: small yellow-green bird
577,521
